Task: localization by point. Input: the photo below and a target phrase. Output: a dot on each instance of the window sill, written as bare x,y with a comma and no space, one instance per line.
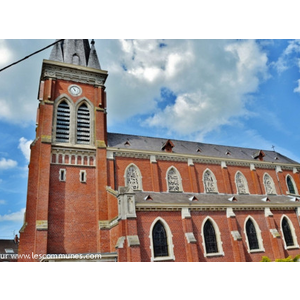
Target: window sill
291,247
163,258
256,250
214,254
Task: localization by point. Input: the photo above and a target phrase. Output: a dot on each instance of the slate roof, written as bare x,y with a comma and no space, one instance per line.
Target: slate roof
7,249
133,142
215,199
64,51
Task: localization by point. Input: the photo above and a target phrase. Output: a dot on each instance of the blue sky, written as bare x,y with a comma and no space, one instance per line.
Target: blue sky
232,92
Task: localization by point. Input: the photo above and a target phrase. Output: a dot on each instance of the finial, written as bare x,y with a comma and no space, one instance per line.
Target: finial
93,42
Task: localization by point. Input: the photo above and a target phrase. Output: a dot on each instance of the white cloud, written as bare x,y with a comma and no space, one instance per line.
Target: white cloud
14,217
5,54
212,86
286,59
7,163
210,78
24,146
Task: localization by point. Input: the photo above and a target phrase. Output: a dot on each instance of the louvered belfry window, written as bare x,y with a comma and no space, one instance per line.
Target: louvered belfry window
63,122
160,240
211,245
287,232
252,236
83,132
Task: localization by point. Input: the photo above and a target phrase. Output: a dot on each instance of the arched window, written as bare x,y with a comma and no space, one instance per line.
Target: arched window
83,130
210,182
291,185
241,183
253,235
211,236
133,178
160,241
287,233
162,247
173,180
63,122
269,185
210,239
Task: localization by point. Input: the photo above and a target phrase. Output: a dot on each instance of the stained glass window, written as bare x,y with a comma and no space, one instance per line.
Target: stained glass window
241,184
290,185
160,243
209,182
269,185
173,181
133,178
289,241
251,235
211,245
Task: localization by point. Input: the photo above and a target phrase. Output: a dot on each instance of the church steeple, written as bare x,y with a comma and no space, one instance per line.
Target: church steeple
77,52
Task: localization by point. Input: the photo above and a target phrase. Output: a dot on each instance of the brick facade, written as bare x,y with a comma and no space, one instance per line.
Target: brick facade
80,201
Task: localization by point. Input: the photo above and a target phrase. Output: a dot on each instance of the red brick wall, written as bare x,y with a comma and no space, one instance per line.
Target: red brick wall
192,176
73,221
175,223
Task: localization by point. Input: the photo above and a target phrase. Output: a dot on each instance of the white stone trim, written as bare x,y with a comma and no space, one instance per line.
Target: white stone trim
82,176
214,180
272,184
293,232
258,235
244,181
62,175
171,255
179,179
294,184
139,174
218,239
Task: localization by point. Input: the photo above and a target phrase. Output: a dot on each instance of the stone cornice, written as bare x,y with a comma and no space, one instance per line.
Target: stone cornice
212,207
65,71
143,154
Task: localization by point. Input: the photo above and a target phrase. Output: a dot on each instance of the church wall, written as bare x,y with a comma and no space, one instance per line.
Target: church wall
273,247
225,178
174,221
72,211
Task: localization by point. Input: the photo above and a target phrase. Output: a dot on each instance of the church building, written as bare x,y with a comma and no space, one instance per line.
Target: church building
100,196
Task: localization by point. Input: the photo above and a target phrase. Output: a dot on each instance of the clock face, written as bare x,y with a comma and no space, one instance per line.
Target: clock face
75,90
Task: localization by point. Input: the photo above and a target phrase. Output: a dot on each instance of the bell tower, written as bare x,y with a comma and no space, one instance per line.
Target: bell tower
67,180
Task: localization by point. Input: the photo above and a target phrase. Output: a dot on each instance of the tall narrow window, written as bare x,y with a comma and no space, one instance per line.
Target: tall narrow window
290,185
133,178
269,185
83,125
63,122
210,239
173,180
209,181
160,242
241,183
287,233
251,235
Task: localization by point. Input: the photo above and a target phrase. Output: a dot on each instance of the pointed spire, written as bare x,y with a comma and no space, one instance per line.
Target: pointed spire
93,58
56,52
77,52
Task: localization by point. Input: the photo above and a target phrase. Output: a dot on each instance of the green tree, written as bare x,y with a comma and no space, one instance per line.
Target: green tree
288,259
